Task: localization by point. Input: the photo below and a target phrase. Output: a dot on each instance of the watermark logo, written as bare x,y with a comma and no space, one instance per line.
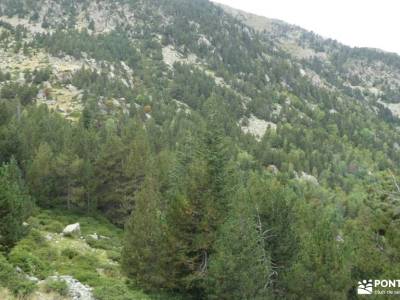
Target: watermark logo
379,287
365,287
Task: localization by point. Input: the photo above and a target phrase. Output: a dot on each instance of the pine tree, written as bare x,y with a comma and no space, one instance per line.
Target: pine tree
40,177
240,266
322,269
143,256
108,174
13,206
120,169
197,207
68,170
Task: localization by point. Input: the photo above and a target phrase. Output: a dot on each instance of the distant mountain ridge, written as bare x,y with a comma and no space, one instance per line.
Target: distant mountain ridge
307,46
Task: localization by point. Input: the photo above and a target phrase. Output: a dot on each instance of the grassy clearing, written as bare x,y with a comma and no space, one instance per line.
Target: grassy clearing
45,252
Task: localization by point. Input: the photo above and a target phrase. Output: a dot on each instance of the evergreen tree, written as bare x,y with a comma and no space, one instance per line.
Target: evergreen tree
143,256
120,169
323,266
40,176
14,203
108,171
68,169
240,266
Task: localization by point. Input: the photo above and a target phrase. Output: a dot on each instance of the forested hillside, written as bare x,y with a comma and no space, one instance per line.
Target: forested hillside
206,154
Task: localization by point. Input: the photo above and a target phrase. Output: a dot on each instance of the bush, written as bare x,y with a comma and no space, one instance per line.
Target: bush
29,263
36,237
54,226
7,271
15,282
116,291
41,75
69,252
114,255
58,286
22,288
105,244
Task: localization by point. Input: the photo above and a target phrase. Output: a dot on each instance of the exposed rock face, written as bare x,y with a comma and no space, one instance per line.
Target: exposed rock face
72,230
393,107
76,289
308,178
171,56
256,127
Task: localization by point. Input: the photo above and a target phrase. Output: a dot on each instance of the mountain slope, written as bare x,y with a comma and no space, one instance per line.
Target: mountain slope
191,125
371,73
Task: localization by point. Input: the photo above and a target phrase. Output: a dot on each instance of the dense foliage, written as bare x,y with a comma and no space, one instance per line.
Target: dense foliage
208,211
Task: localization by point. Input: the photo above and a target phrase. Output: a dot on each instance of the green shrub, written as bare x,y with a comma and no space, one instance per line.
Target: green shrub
15,282
89,277
54,226
117,291
105,244
22,287
58,286
7,271
29,263
114,255
37,237
69,252
49,253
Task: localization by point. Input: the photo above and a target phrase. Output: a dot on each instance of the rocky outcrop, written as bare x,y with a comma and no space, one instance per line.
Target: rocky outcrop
256,127
307,178
76,289
72,230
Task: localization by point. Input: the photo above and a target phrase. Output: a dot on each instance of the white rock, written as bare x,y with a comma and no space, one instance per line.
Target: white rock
72,229
76,289
333,111
308,178
393,107
94,236
32,278
256,127
49,237
339,239
116,103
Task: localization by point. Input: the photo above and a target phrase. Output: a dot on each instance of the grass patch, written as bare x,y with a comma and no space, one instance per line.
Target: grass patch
58,286
17,284
94,262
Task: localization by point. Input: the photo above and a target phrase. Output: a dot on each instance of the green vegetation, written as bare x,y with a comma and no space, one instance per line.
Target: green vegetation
14,205
58,286
10,279
174,199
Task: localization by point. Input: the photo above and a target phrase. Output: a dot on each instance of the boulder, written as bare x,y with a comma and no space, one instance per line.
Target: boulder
72,230
308,178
